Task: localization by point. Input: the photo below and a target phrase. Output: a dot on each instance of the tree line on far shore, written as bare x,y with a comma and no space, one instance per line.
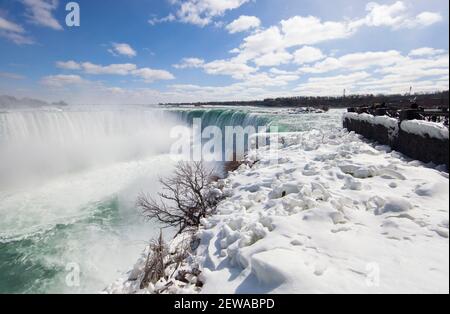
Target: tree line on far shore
426,100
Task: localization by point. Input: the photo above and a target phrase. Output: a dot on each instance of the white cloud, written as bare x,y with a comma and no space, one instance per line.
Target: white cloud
188,63
385,15
268,80
427,18
68,65
340,79
151,75
385,72
231,67
356,72
40,12
61,80
395,75
310,30
331,86
124,69
156,20
396,16
199,12
122,49
425,51
273,59
13,32
261,43
114,69
307,54
418,67
12,76
9,26
243,23
355,61
282,72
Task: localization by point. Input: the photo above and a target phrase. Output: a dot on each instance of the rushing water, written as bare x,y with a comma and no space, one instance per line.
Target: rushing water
69,179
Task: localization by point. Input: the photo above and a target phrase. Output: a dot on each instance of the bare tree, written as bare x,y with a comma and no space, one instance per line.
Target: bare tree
187,197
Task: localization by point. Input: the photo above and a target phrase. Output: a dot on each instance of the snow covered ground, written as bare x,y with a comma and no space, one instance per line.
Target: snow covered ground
333,214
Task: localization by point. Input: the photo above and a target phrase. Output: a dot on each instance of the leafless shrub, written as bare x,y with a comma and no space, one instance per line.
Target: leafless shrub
231,166
166,264
155,265
187,197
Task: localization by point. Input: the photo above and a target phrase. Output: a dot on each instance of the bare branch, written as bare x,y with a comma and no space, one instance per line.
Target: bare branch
187,197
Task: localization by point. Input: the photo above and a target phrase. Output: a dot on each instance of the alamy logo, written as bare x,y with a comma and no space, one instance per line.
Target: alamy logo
73,275
73,17
229,143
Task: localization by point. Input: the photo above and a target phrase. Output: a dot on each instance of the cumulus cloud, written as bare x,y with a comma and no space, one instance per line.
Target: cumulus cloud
243,23
230,67
199,12
261,43
424,69
356,72
369,75
235,69
332,85
150,75
189,63
40,12
273,59
425,51
355,61
11,76
300,31
61,80
112,69
156,20
310,30
291,43
384,15
13,32
122,69
396,16
68,65
426,19
122,49
307,54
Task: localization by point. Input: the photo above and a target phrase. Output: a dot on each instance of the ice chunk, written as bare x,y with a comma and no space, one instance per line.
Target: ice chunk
394,205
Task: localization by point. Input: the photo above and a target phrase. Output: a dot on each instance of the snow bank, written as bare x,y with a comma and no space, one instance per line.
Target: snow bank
425,128
329,214
332,215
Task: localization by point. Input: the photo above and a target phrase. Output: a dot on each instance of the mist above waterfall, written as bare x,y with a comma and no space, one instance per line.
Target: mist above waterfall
40,144
68,184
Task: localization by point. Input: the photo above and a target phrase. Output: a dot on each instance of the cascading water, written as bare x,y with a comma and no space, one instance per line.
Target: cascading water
69,180
68,183
47,143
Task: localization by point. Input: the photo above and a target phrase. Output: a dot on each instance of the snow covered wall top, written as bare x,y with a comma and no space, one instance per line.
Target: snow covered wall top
425,128
417,127
421,140
386,121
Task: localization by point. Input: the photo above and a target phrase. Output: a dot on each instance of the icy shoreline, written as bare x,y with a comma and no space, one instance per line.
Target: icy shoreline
332,214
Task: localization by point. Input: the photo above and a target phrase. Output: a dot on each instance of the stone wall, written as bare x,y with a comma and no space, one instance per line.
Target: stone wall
420,147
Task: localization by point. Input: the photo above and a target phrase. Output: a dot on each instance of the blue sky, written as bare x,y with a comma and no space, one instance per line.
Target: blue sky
151,51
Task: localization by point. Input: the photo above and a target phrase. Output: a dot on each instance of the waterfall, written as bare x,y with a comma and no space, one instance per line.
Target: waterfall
223,117
39,144
69,180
